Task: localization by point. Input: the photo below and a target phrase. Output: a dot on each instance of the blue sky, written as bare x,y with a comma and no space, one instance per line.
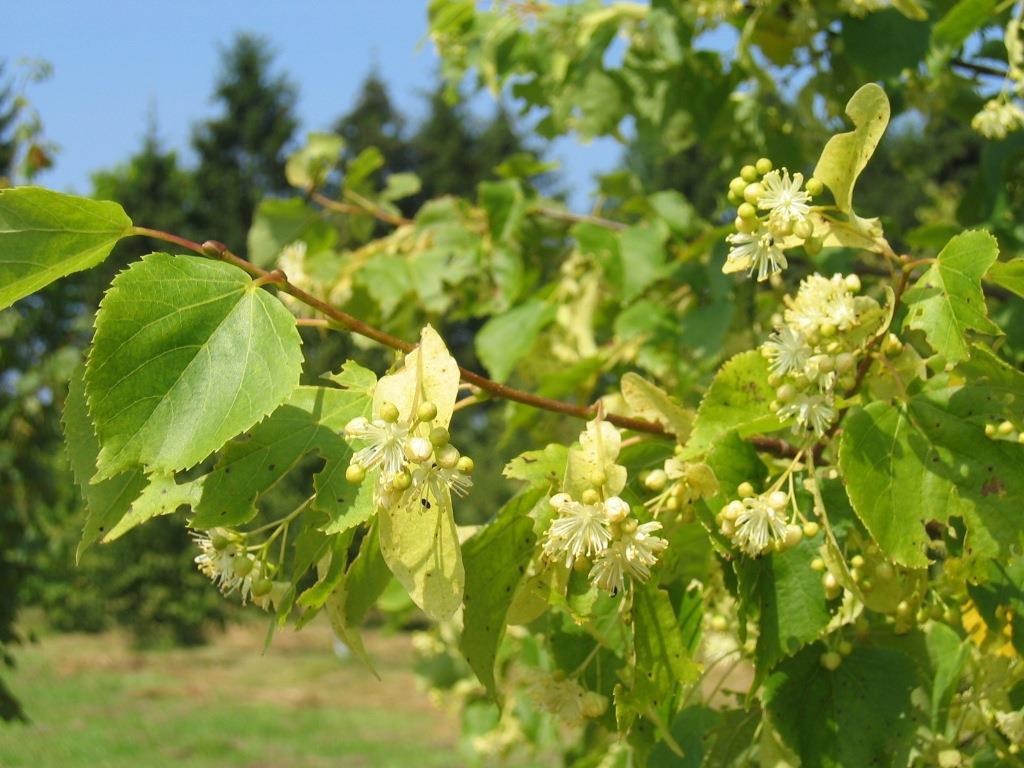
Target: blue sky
115,61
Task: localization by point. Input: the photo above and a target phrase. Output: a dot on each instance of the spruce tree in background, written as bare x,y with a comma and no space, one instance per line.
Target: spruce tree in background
375,122
446,149
242,152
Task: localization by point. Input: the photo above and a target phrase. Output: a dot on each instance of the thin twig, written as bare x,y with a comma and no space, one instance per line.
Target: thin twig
360,205
576,218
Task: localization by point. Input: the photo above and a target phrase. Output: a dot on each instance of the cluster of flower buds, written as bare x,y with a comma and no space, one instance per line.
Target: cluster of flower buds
564,697
1005,430
679,485
224,559
758,523
413,457
818,348
773,213
604,532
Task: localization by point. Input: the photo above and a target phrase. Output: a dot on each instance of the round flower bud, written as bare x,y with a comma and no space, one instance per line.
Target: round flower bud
803,229
794,533
892,345
616,510
358,424
733,198
746,211
827,330
559,500
1005,428
845,362
727,528
418,449
990,430
590,496
719,623
782,228
737,185
749,173
401,481
818,565
389,412
427,411
447,456
672,504
261,587
242,566
845,647
220,542
732,510
745,489
785,393
811,529
1020,438
746,226
857,561
656,480
778,500
355,472
950,758
753,193
593,704
852,283
884,571
763,165
814,187
465,465
831,661
903,608
439,436
812,245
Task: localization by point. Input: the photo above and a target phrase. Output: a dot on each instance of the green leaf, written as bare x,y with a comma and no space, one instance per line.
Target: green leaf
505,205
676,211
162,496
649,401
659,645
858,715
400,185
948,653
885,461
278,223
308,168
545,467
592,462
947,300
248,467
506,339
330,575
792,604
1008,274
885,43
642,249
846,154
495,559
960,21
187,353
46,235
107,501
739,399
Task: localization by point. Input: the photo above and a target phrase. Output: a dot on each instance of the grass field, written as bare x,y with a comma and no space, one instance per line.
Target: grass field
97,703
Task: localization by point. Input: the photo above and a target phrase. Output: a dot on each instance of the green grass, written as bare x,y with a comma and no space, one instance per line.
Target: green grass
95,702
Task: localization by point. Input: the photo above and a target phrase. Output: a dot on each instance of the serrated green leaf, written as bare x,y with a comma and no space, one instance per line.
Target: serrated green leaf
506,339
249,466
277,223
1008,274
495,559
651,402
642,249
162,496
330,574
885,462
793,612
738,400
46,235
947,300
860,714
106,502
846,154
308,168
187,354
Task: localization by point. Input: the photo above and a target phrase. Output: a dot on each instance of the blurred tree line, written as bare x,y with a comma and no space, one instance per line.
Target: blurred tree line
148,582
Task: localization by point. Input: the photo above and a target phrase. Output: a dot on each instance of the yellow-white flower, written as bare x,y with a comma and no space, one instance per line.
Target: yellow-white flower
385,445
580,530
787,351
758,525
783,197
813,411
997,118
755,252
821,302
629,557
